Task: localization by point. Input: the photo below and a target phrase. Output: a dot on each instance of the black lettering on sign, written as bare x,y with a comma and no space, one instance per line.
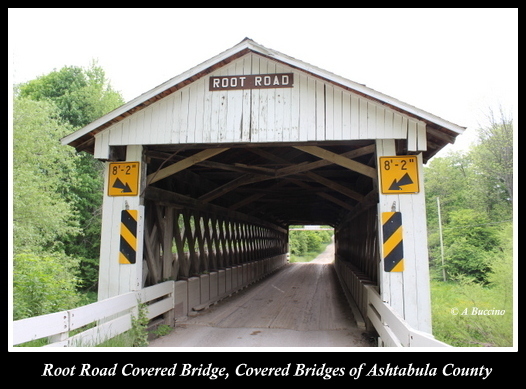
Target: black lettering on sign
252,81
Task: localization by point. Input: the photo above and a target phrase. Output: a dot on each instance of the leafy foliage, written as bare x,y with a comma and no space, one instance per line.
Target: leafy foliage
43,173
303,241
43,283
78,96
474,201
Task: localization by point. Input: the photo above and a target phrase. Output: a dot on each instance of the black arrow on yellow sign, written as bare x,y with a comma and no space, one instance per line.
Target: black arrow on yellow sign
405,180
118,184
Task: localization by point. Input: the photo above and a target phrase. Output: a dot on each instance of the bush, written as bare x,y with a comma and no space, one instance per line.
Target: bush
43,283
303,241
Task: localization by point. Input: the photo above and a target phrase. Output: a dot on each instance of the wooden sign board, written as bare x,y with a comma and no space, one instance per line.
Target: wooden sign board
252,81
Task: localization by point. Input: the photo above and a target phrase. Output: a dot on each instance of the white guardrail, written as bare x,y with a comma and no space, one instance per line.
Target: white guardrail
392,329
363,296
111,317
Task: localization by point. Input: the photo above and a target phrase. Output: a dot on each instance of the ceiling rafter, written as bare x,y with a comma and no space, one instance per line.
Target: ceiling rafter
182,165
339,160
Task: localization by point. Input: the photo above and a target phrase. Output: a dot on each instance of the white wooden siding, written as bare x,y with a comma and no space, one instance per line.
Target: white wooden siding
313,110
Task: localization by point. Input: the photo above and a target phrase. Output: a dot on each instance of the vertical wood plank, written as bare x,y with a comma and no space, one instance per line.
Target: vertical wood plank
338,109
247,102
183,117
311,108
295,124
176,129
380,123
320,110
363,130
271,134
262,129
416,274
354,131
102,147
390,283
155,131
201,87
411,136
388,124
130,127
330,111
421,136
207,114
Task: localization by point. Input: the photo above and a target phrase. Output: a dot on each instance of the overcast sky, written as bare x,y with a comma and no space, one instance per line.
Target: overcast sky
453,63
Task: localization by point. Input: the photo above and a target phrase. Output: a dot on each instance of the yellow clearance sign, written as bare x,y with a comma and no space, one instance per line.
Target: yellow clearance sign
399,174
123,179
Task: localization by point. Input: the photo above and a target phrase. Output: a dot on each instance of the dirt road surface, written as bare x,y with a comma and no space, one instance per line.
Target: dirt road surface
300,305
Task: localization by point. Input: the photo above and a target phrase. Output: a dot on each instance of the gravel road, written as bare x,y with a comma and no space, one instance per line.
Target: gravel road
300,305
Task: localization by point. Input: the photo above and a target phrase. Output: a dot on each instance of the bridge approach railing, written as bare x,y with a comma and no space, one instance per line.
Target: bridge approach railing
373,313
92,324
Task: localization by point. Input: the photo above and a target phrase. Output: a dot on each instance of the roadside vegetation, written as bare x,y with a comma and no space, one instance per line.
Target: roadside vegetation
469,199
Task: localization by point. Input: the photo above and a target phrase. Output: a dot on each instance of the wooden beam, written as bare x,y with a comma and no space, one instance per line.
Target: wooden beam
335,186
230,186
339,160
254,197
184,164
304,166
324,195
316,177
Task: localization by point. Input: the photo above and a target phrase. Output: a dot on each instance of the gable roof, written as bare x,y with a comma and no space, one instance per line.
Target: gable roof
440,131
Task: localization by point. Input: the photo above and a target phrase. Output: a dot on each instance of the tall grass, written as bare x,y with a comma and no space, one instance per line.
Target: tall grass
469,314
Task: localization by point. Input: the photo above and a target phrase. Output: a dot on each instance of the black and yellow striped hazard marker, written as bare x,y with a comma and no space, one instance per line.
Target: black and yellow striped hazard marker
128,244
393,242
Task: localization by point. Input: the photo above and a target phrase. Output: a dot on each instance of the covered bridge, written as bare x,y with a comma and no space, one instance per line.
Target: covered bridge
206,172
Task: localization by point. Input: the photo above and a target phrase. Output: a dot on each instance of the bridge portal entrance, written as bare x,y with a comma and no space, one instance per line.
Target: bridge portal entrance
206,172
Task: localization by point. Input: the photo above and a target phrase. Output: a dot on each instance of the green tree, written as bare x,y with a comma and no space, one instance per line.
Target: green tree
43,171
493,158
450,179
298,244
476,187
81,96
471,242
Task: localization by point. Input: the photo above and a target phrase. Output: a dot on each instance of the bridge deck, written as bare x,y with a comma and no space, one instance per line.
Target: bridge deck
301,305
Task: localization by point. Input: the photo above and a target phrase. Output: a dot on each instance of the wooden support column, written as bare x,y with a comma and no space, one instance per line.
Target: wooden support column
408,291
168,223
116,278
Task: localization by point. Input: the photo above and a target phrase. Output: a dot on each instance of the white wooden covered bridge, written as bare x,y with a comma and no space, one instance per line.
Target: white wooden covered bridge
206,172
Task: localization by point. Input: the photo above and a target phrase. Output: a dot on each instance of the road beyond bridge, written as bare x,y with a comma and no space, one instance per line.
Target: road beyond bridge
300,305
